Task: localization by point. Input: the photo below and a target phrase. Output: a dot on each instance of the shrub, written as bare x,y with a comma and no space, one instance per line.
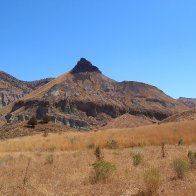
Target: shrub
137,159
32,121
91,146
152,180
180,167
49,159
102,170
192,157
98,153
46,119
181,142
112,144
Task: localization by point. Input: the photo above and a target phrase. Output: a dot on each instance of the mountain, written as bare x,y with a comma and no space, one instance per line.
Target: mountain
189,102
85,98
12,89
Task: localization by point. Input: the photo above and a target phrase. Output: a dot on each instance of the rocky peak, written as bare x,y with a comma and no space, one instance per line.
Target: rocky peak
84,65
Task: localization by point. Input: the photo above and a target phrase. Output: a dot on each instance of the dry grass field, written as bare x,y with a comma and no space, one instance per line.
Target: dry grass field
61,163
169,133
69,172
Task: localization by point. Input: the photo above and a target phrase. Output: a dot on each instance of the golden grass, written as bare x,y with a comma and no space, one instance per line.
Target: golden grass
169,133
68,174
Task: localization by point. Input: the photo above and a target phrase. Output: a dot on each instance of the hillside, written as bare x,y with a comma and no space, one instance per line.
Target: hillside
85,98
128,121
183,116
189,102
12,89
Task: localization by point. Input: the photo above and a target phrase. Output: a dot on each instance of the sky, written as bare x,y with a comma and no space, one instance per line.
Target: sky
150,41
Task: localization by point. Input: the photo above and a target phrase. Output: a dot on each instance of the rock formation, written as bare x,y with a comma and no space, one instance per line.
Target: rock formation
12,89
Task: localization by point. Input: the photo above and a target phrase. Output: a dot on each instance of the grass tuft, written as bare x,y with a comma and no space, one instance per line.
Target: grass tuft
152,180
181,167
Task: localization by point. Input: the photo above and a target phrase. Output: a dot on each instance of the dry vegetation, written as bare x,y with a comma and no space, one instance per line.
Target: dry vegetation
67,173
128,121
62,163
169,133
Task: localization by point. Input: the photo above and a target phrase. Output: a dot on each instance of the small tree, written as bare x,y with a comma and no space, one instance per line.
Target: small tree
32,121
46,119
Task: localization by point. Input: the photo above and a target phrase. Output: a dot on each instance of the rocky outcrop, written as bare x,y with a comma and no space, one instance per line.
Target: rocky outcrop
10,118
84,66
74,123
12,89
7,97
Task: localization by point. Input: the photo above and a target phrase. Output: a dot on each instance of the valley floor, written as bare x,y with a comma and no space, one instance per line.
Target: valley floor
67,173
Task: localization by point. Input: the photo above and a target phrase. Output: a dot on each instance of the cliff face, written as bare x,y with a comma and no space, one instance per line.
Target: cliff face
12,89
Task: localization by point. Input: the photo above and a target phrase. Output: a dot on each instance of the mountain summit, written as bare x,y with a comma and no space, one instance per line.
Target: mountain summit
84,65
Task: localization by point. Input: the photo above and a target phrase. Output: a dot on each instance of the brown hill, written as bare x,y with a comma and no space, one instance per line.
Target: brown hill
186,115
189,102
84,98
12,89
128,121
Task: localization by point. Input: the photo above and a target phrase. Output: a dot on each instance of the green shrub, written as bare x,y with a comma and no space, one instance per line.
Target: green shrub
137,159
102,170
49,159
192,157
152,180
112,144
180,166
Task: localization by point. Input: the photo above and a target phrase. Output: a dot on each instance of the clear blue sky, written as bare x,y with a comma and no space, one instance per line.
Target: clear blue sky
152,41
